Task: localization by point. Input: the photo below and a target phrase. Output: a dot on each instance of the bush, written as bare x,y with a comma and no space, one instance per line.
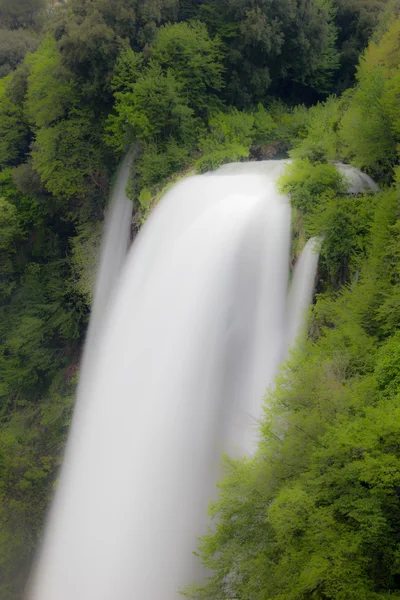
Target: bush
224,129
306,183
291,124
265,127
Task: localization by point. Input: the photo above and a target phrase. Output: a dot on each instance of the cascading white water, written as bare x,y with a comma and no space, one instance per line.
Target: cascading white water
359,182
190,339
114,247
301,289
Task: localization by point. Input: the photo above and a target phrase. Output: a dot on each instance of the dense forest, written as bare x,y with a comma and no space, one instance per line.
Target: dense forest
197,83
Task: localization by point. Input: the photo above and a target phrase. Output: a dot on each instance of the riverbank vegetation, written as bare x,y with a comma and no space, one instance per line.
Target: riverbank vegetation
315,514
198,84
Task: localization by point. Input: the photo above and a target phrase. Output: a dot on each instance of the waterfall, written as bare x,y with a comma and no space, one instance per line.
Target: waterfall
192,331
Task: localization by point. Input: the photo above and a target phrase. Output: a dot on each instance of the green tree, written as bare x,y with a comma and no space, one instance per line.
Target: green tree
11,234
154,110
51,91
194,59
365,129
369,125
228,138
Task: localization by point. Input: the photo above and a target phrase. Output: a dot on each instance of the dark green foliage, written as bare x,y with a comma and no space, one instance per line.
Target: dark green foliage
156,165
74,140
13,47
343,222
13,129
156,108
318,191
319,139
91,33
20,13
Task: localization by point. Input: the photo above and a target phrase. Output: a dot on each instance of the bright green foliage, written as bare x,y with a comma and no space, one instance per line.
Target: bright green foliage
155,108
265,126
62,154
343,222
234,127
194,59
31,442
279,122
306,183
127,70
315,515
369,127
151,107
291,123
362,126
157,103
65,150
356,20
390,103
11,234
220,156
228,139
85,252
